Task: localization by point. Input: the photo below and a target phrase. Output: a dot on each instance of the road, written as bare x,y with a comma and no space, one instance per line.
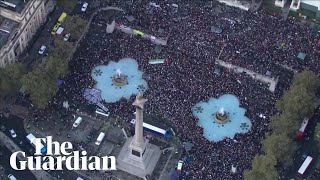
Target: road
44,36
21,140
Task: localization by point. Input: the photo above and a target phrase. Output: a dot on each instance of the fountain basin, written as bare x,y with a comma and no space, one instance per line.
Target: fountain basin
113,86
234,121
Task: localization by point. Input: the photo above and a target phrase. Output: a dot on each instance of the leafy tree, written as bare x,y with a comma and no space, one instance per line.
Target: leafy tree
56,67
75,26
307,79
10,79
67,4
40,86
5,87
263,168
280,147
317,134
298,101
62,49
285,124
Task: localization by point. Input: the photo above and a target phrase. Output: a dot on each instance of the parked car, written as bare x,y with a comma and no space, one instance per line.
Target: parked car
42,49
13,133
11,177
84,7
77,122
55,28
66,37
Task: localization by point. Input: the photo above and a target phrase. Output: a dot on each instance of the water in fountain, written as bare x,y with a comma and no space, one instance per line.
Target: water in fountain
119,72
221,111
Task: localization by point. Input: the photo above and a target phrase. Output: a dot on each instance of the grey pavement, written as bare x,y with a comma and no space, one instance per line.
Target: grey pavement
272,82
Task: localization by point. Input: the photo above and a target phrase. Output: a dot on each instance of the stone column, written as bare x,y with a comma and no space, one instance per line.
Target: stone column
138,137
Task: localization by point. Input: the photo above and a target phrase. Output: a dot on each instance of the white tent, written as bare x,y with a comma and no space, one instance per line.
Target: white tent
233,169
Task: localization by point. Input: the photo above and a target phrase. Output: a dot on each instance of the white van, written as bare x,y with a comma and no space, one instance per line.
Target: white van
77,122
179,167
100,138
79,178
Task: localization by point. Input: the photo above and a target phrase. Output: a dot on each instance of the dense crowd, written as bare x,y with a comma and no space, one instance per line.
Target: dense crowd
259,42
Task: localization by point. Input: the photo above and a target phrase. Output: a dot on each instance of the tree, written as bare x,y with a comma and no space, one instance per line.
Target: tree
298,101
62,49
41,87
317,134
75,26
55,67
10,79
263,168
307,79
285,124
281,147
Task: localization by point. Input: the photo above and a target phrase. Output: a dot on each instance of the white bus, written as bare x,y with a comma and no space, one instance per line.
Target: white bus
32,140
305,165
101,112
100,138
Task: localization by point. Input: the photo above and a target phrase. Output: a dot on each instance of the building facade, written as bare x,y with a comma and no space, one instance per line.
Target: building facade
20,21
311,5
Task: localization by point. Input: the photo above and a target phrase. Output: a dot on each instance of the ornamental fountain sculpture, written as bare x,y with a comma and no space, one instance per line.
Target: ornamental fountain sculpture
221,116
119,79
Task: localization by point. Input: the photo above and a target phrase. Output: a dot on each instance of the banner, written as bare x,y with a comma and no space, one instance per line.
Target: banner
138,32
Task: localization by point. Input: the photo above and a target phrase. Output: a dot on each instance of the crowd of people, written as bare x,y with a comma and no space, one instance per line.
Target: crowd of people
258,42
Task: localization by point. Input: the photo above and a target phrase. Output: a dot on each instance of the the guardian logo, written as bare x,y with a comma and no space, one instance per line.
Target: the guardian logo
62,154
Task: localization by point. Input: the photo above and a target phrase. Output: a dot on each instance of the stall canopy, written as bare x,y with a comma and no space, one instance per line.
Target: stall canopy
217,71
301,55
157,49
130,18
216,29
93,96
59,82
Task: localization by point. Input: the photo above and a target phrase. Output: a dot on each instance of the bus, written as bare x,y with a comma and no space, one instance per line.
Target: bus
303,168
32,141
101,112
303,127
62,17
154,130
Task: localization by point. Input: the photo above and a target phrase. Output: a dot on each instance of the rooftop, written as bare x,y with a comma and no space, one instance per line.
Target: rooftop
14,5
315,3
7,27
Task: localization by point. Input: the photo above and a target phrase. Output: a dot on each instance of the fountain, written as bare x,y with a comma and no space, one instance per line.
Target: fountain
221,116
119,79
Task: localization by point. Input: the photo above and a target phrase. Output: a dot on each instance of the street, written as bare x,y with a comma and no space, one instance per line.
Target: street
21,140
